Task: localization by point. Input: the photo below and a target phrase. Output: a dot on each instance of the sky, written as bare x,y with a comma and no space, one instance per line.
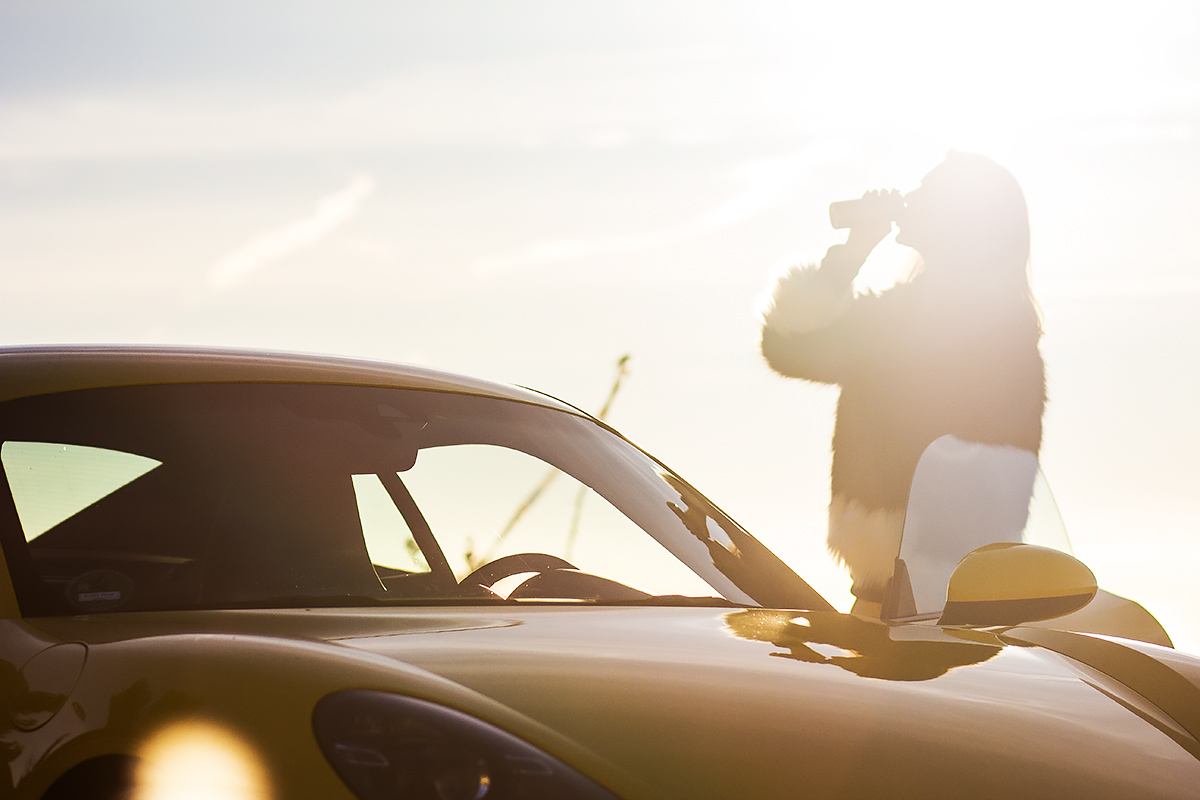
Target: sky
528,191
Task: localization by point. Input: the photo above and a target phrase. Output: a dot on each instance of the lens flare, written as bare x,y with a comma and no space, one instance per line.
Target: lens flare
199,761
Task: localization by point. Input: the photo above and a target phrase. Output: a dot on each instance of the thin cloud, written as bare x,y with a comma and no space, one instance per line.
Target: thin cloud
331,212
1117,288
764,184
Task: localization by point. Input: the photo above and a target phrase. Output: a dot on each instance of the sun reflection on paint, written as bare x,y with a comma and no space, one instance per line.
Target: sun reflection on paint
199,761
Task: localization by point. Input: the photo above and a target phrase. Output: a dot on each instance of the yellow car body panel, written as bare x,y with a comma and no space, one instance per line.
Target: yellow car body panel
29,371
260,687
662,703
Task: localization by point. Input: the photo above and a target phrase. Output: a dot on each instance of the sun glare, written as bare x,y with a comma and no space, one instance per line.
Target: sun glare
199,761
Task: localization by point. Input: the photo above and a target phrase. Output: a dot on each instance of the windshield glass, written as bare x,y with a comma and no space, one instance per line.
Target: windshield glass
965,495
245,495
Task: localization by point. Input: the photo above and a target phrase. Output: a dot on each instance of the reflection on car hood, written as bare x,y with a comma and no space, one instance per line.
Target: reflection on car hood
780,704
720,703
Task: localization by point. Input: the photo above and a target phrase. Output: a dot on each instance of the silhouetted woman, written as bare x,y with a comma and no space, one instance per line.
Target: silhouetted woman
951,350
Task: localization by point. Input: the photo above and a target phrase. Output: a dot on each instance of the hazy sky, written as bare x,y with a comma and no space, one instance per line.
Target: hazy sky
526,191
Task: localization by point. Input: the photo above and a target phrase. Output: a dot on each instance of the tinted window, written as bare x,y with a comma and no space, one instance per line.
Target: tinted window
227,495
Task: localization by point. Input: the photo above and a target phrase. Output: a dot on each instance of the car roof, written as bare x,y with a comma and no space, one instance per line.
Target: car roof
29,371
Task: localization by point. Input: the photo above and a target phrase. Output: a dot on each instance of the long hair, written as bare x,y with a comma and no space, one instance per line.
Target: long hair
975,246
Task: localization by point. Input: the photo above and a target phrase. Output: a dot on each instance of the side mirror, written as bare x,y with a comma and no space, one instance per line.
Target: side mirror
1008,583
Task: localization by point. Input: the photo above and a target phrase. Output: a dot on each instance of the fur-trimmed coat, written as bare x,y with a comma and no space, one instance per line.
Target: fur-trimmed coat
910,371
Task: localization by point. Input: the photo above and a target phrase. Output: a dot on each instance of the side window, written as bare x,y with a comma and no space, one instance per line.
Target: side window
389,542
483,502
51,482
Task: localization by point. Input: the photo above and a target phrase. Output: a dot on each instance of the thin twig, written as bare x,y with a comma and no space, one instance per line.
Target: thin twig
539,490
577,515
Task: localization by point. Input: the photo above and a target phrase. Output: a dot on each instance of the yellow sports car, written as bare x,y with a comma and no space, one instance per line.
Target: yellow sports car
245,575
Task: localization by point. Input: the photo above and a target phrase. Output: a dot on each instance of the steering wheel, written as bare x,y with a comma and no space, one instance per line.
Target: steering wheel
514,564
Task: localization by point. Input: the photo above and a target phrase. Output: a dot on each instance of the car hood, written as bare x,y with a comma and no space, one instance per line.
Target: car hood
732,703
764,703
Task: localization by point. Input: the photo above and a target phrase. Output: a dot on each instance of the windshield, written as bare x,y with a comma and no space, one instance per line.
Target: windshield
247,495
965,495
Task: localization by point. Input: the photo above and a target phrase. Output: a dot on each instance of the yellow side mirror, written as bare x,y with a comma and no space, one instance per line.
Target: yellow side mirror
1008,583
